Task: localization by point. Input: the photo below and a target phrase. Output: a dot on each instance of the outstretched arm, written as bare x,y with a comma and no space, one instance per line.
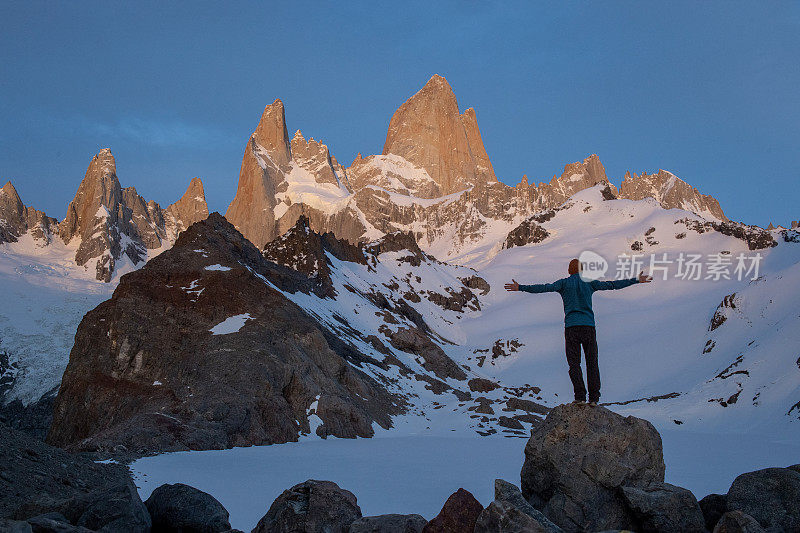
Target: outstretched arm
620,283
540,287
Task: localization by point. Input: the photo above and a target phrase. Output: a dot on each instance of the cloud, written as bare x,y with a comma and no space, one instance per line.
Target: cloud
165,133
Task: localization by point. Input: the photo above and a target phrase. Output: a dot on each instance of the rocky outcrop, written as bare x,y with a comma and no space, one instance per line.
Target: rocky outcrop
435,360
178,507
38,479
16,219
577,461
312,507
737,522
304,250
528,232
459,513
389,523
197,351
671,192
770,496
713,507
665,508
428,131
510,513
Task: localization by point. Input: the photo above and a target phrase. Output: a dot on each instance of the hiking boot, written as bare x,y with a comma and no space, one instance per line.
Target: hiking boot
579,402
593,404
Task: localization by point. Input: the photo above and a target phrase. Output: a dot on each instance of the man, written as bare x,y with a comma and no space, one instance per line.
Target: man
579,323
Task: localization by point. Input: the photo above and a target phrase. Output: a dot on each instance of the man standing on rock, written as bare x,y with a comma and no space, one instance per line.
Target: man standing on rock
579,323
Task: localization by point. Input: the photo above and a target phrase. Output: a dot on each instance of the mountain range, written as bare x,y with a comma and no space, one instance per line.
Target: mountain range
347,301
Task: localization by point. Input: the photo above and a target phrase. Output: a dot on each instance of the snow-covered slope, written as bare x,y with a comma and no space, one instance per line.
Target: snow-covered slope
654,339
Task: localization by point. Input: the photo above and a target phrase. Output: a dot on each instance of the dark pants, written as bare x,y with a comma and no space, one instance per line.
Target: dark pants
575,337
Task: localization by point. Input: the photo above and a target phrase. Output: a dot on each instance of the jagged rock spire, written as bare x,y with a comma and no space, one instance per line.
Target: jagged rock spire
429,131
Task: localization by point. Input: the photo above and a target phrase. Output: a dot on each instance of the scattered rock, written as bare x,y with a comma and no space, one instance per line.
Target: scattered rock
510,513
511,423
177,508
664,508
413,340
770,496
39,479
576,460
312,507
458,514
713,507
389,523
528,232
519,404
737,522
477,283
482,385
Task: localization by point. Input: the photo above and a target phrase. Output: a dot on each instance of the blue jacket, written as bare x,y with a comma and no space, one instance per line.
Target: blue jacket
577,296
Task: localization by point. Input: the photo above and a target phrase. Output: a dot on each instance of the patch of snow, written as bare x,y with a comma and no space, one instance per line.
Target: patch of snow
218,268
231,324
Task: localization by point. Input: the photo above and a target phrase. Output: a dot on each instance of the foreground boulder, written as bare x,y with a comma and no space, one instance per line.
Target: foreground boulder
177,508
737,522
510,513
389,523
196,350
458,514
713,507
577,460
665,508
771,496
42,482
312,507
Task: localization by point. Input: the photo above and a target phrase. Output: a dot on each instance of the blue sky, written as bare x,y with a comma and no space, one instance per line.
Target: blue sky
707,90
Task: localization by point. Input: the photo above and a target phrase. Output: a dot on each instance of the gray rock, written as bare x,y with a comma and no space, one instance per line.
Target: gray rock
770,496
576,460
665,508
14,526
115,509
39,480
509,512
179,507
312,507
737,522
713,507
54,523
389,523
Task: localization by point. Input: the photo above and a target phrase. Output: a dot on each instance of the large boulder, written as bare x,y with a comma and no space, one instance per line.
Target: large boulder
579,457
458,514
178,508
39,480
713,507
771,496
389,523
312,507
665,508
510,513
737,522
198,350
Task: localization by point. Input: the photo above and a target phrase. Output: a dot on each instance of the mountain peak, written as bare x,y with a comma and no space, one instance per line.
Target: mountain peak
429,131
9,191
271,133
192,206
